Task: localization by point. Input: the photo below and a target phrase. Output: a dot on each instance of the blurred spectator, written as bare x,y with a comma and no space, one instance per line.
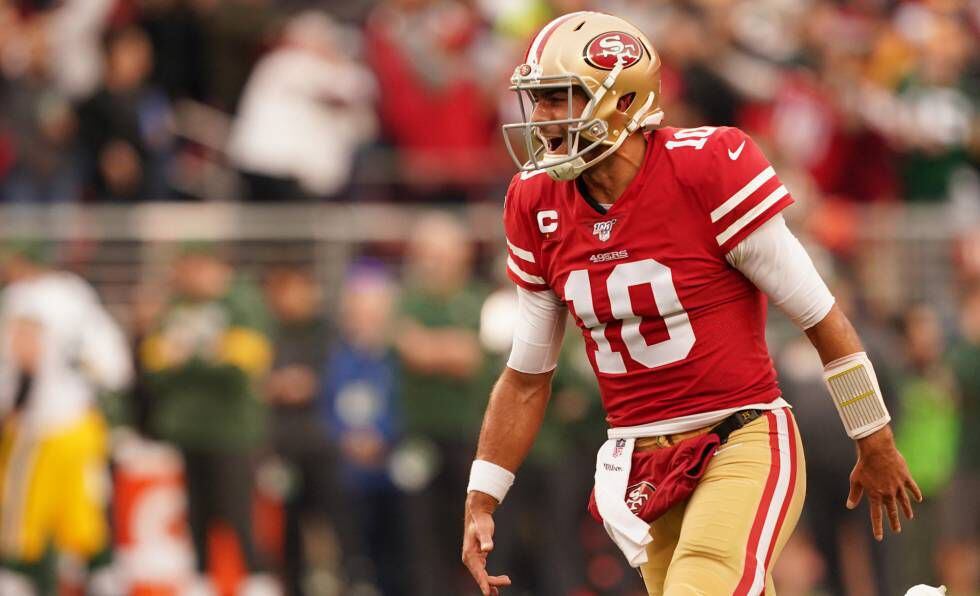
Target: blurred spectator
126,127
298,435
893,86
208,351
960,561
176,32
444,386
306,112
361,404
73,33
690,55
58,348
934,117
436,109
928,429
926,432
147,303
42,127
809,128
234,33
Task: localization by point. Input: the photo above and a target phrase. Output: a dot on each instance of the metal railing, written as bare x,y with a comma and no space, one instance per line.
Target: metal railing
900,254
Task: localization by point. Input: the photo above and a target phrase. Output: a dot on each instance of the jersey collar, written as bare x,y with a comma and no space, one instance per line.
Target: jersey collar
587,207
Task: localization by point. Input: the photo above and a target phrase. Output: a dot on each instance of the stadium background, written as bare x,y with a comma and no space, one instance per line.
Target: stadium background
355,145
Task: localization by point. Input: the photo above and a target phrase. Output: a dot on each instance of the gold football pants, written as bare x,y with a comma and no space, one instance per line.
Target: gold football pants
725,538
53,489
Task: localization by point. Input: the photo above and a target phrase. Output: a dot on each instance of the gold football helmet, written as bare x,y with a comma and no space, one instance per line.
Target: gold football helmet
608,59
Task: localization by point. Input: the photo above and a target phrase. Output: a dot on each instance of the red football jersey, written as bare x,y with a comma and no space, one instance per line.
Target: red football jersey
671,329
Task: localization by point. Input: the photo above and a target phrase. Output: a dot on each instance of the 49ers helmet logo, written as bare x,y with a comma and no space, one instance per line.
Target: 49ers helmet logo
638,495
606,49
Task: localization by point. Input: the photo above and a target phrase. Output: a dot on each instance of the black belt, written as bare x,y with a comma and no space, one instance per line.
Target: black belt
734,422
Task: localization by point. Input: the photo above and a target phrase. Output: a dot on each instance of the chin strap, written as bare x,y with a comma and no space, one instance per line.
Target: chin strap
653,120
574,168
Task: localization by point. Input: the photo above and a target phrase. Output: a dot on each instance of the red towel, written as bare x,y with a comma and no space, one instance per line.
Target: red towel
661,478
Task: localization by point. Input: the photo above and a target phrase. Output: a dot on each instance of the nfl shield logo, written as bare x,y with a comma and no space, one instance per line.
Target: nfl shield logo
602,229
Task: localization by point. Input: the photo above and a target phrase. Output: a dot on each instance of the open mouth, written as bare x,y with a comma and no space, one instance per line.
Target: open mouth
556,144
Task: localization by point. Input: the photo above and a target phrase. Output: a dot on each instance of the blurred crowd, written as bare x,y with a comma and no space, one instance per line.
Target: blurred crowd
357,422
275,100
328,441
331,442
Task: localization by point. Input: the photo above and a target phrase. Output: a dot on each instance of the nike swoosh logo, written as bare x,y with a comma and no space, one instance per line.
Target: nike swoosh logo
733,155
726,447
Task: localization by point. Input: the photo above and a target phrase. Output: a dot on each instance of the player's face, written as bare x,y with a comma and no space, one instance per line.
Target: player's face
555,104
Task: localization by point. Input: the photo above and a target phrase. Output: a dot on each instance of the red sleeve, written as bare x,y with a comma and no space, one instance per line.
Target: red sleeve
523,264
740,191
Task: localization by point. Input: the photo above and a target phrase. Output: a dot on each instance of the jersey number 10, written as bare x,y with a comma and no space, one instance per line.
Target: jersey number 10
578,291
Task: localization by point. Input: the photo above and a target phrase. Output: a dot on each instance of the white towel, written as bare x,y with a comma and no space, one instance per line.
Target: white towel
612,471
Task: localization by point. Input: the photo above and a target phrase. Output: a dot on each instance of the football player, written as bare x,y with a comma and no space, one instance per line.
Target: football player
663,244
58,348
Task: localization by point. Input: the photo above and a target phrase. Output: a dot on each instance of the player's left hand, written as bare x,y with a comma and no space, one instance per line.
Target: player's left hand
882,473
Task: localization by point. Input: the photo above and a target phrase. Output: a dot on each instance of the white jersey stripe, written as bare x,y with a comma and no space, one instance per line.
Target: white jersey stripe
782,492
520,252
733,201
751,214
531,279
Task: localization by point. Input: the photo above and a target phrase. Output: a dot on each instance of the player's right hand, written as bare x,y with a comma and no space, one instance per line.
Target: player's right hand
478,542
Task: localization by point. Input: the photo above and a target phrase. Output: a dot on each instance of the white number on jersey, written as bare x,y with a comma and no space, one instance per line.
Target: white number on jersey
691,137
578,291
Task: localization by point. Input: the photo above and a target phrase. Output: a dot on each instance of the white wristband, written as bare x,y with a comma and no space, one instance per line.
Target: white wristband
487,477
854,388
